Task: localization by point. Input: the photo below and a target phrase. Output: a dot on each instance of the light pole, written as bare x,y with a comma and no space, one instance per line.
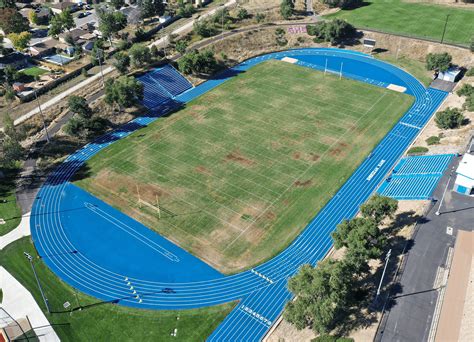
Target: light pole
30,258
387,257
444,193
42,117
444,30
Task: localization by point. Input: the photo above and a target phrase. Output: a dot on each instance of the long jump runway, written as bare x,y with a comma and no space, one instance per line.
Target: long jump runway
106,254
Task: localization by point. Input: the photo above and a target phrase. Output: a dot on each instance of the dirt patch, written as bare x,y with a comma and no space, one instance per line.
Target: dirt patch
203,170
314,156
237,157
303,184
296,155
339,151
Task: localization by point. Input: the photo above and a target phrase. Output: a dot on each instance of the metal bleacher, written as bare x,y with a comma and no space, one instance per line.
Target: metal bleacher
415,178
161,85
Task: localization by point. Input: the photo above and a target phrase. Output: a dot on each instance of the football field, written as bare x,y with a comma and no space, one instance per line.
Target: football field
235,175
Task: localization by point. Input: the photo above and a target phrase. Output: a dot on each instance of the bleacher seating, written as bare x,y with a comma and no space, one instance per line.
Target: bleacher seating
161,85
415,178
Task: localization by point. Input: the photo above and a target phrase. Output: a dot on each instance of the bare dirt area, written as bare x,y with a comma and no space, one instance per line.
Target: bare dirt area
454,140
402,228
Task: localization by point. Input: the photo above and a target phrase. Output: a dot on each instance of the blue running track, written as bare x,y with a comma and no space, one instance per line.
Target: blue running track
105,254
415,178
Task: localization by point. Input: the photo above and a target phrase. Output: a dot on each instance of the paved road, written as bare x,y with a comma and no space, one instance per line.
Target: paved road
410,317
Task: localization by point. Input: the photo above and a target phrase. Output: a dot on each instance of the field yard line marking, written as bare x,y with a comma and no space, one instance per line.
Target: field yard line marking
284,191
140,237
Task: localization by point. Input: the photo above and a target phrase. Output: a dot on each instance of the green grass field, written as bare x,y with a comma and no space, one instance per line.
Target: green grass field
34,71
241,170
413,19
9,209
105,322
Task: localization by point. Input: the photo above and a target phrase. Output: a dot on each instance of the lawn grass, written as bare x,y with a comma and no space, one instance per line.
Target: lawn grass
241,170
107,322
413,19
34,71
414,67
9,209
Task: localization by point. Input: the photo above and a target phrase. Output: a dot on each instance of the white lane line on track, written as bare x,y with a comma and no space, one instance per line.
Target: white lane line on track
126,228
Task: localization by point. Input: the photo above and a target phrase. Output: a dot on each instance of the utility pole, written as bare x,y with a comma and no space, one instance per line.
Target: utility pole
42,118
99,53
30,258
444,30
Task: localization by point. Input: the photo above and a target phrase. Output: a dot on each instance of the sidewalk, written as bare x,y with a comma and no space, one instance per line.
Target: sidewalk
22,230
19,303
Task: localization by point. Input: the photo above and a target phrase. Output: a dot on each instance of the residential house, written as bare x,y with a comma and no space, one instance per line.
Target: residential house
62,6
15,59
46,47
75,34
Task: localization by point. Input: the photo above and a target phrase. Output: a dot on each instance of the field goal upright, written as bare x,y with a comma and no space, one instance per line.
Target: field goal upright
155,207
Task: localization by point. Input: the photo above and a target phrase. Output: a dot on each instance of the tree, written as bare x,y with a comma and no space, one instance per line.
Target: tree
343,3
20,40
185,10
439,62
322,294
449,118
363,240
117,3
379,208
12,21
33,17
332,31
140,55
97,53
7,4
61,22
124,91
242,14
84,73
78,105
122,62
286,8
181,46
11,149
151,8
204,28
110,23
10,74
197,62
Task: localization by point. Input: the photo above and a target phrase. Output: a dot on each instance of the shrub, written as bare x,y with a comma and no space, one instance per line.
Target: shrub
331,31
466,90
470,72
417,150
449,118
433,140
343,3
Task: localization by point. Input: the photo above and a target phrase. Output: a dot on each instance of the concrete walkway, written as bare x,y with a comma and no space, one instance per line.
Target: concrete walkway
19,303
61,96
22,230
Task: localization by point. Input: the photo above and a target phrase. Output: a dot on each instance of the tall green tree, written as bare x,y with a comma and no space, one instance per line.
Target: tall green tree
7,4
151,8
379,208
11,21
20,40
124,91
140,55
117,3
322,294
60,23
79,105
363,240
438,61
122,62
110,23
11,149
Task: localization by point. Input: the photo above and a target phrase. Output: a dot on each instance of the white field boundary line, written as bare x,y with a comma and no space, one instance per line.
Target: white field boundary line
278,198
61,96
